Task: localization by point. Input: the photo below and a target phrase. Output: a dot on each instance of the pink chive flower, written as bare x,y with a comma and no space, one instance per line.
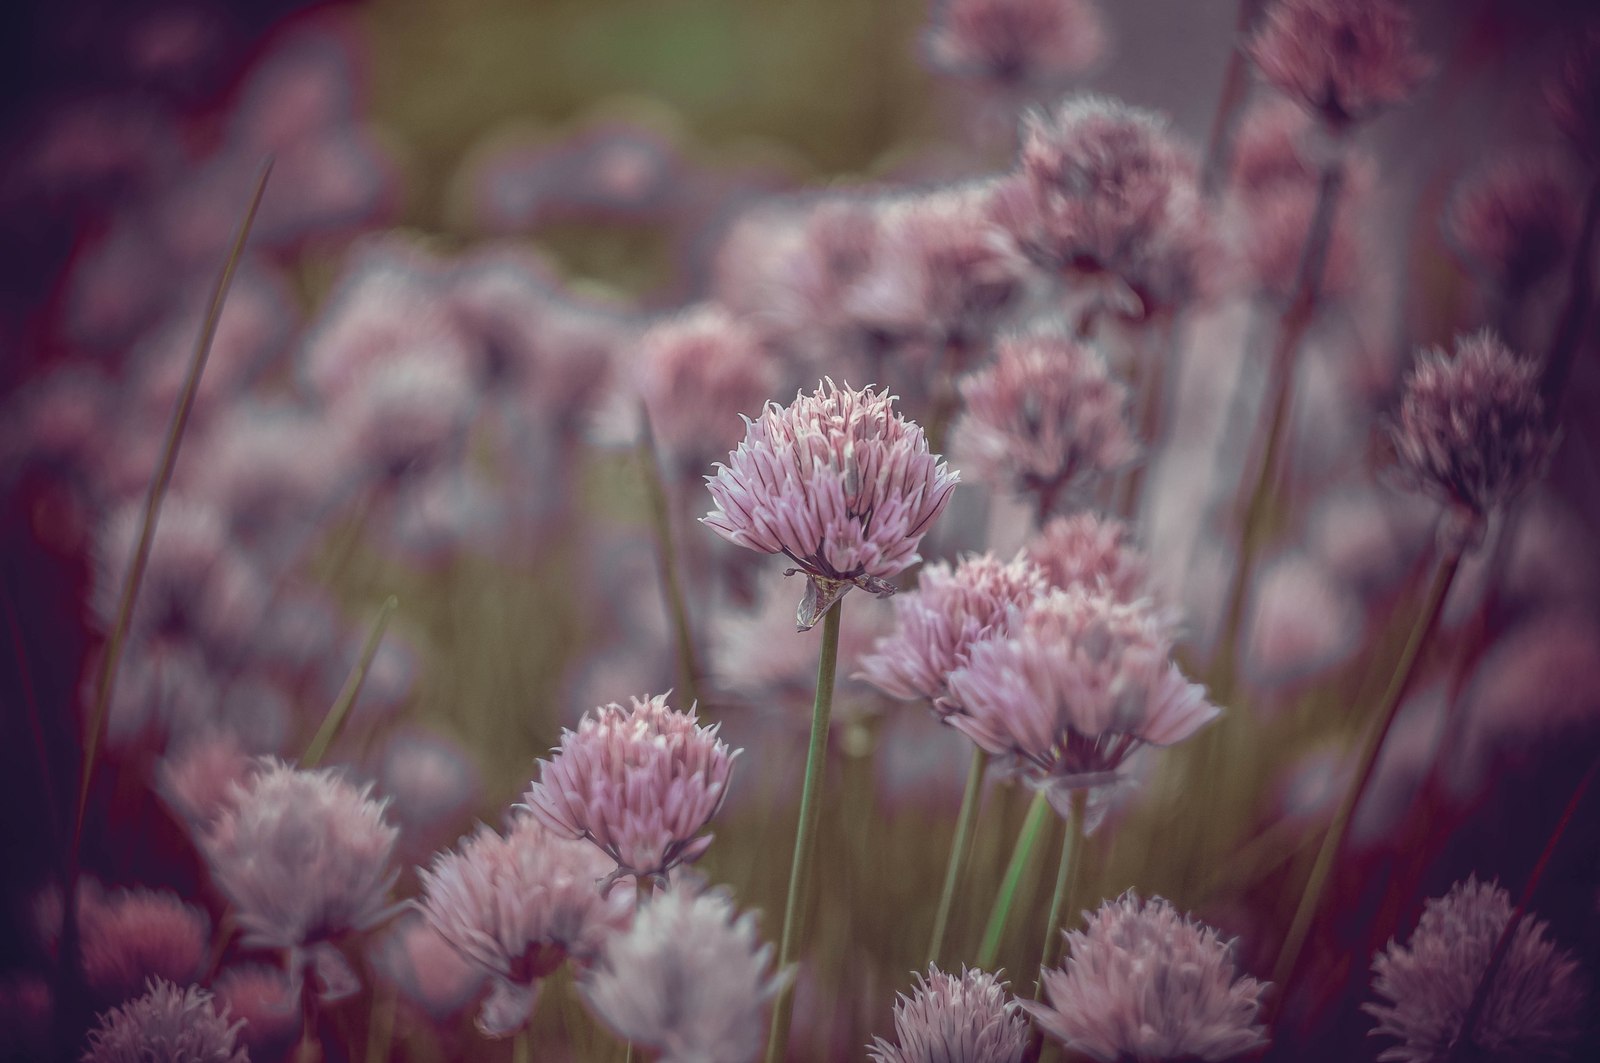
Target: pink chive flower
689,979
1513,224
1574,95
1016,42
517,905
1472,427
1046,418
1536,1007
697,372
639,782
1096,551
131,935
951,1019
1344,60
266,1005
837,482
1107,197
951,610
1078,683
199,778
303,856
1145,983
1303,621
166,1025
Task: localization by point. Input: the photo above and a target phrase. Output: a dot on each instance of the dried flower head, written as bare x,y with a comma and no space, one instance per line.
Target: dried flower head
1514,222
1341,59
303,856
1092,550
837,482
688,979
1108,197
1574,95
950,1019
639,782
517,905
951,610
1046,418
1143,982
166,1025
1534,1009
1472,426
1076,685
697,373
1016,43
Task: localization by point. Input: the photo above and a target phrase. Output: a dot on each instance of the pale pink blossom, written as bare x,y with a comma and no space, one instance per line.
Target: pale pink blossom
1045,419
689,979
1302,621
166,1025
1142,982
429,778
1341,59
127,936
955,1019
840,484
517,905
1016,42
1514,222
951,610
199,777
1535,1008
639,782
266,1005
1079,682
426,968
1093,550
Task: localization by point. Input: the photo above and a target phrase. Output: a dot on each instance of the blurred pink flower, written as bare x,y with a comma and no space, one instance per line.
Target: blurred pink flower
1106,195
265,1004
1078,683
426,968
1342,59
303,856
837,482
1536,1007
640,783
951,1019
1044,419
1093,550
689,979
937,624
166,1024
1273,146
127,936
270,469
517,906
199,777
1513,223
697,373
429,778
1142,982
1016,42
1302,621
1472,427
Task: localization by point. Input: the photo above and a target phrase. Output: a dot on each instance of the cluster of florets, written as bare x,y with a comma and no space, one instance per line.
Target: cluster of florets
1472,426
638,782
837,482
1514,223
1016,42
960,1018
1533,1009
1143,982
167,1023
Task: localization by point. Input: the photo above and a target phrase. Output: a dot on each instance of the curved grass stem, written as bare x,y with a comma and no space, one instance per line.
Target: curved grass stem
959,848
1068,872
1027,838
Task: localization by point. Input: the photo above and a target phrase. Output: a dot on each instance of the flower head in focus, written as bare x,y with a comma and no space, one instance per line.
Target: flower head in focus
837,482
303,856
689,979
1016,42
1045,418
1079,682
1534,1009
1472,427
1341,59
951,1019
937,624
1144,982
639,782
517,905
166,1025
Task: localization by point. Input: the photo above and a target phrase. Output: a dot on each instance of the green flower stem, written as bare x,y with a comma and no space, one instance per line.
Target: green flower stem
1067,874
334,722
1038,812
667,560
805,834
522,1047
1388,707
959,849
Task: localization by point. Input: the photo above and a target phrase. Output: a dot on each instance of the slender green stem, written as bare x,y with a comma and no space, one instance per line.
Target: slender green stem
1388,707
522,1047
805,833
333,723
380,1030
1038,812
1234,84
1067,873
667,560
958,849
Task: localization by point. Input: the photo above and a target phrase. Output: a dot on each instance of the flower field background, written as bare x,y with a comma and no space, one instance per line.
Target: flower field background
414,411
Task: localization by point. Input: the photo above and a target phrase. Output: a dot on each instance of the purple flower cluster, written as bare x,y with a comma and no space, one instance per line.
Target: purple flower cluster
964,1018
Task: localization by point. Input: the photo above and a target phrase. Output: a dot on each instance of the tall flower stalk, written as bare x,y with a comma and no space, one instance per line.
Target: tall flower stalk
960,846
